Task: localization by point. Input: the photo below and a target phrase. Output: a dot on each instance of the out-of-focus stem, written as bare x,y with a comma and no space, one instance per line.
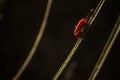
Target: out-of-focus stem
36,42
106,50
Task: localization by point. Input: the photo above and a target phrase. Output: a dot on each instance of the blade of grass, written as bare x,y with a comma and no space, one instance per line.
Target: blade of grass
36,42
106,50
65,63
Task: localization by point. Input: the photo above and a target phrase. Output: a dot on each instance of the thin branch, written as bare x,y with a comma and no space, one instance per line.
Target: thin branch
36,43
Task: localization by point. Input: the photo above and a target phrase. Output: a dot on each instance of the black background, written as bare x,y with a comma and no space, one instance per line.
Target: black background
20,23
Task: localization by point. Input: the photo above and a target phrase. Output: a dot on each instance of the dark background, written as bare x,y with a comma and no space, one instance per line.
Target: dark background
20,21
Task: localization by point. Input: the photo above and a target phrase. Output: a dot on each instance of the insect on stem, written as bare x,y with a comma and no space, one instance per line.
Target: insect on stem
67,60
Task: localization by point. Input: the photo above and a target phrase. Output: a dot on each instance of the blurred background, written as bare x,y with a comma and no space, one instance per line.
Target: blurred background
20,22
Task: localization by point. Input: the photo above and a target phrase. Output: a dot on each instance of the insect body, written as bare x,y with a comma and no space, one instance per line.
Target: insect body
80,27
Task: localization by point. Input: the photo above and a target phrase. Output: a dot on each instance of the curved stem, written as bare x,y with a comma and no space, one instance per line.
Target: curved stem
36,42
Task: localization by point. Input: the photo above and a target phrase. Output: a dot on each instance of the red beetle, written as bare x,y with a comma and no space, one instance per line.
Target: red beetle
82,24
80,27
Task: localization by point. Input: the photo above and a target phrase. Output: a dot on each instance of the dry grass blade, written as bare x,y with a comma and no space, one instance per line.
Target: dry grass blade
65,63
106,49
36,42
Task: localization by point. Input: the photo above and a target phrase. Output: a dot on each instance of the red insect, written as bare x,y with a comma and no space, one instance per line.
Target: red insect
82,24
80,27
